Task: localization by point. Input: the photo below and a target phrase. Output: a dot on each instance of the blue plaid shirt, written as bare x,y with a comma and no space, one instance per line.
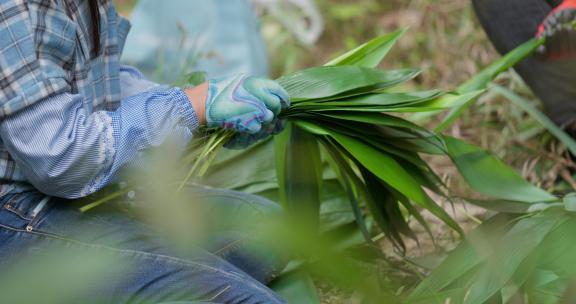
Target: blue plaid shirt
71,122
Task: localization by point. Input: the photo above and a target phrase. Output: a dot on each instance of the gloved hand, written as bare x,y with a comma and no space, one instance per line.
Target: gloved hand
558,28
247,105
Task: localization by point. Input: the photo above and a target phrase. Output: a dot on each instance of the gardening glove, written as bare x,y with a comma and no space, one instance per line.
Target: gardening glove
247,105
558,29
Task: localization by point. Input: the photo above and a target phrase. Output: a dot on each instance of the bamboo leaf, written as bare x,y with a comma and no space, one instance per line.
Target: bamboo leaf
516,246
230,169
444,102
389,171
448,101
502,205
374,99
351,184
377,119
379,200
489,176
322,82
369,54
280,148
303,177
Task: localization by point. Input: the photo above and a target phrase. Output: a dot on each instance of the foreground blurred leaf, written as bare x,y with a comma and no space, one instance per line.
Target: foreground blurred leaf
461,261
512,250
54,275
229,169
529,258
302,177
296,288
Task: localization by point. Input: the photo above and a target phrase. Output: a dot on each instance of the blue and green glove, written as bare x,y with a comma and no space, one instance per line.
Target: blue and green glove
247,105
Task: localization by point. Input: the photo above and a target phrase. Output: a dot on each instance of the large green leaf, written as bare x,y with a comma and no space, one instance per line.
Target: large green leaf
514,248
335,210
229,169
489,176
322,82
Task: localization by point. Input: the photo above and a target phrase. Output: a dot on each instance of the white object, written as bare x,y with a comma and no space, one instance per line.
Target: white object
301,17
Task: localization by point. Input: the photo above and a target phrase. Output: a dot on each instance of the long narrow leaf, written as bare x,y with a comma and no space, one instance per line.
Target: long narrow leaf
351,184
538,116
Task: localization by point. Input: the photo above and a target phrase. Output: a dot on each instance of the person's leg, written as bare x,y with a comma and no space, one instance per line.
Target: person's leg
155,273
510,23
236,218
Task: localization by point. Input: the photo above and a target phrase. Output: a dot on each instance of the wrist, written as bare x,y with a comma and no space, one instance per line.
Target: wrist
197,97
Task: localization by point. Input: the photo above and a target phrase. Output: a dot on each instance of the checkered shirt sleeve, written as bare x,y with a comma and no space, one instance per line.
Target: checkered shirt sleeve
23,81
70,153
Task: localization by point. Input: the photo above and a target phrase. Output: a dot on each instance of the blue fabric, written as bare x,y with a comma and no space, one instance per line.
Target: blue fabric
220,37
226,269
71,153
44,51
91,116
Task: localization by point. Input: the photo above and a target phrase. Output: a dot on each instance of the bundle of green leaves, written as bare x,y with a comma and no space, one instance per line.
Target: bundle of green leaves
344,114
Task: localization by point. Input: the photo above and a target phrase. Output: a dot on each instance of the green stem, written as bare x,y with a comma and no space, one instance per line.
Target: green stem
538,116
484,78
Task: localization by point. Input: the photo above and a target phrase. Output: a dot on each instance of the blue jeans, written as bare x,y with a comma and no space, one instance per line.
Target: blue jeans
222,272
